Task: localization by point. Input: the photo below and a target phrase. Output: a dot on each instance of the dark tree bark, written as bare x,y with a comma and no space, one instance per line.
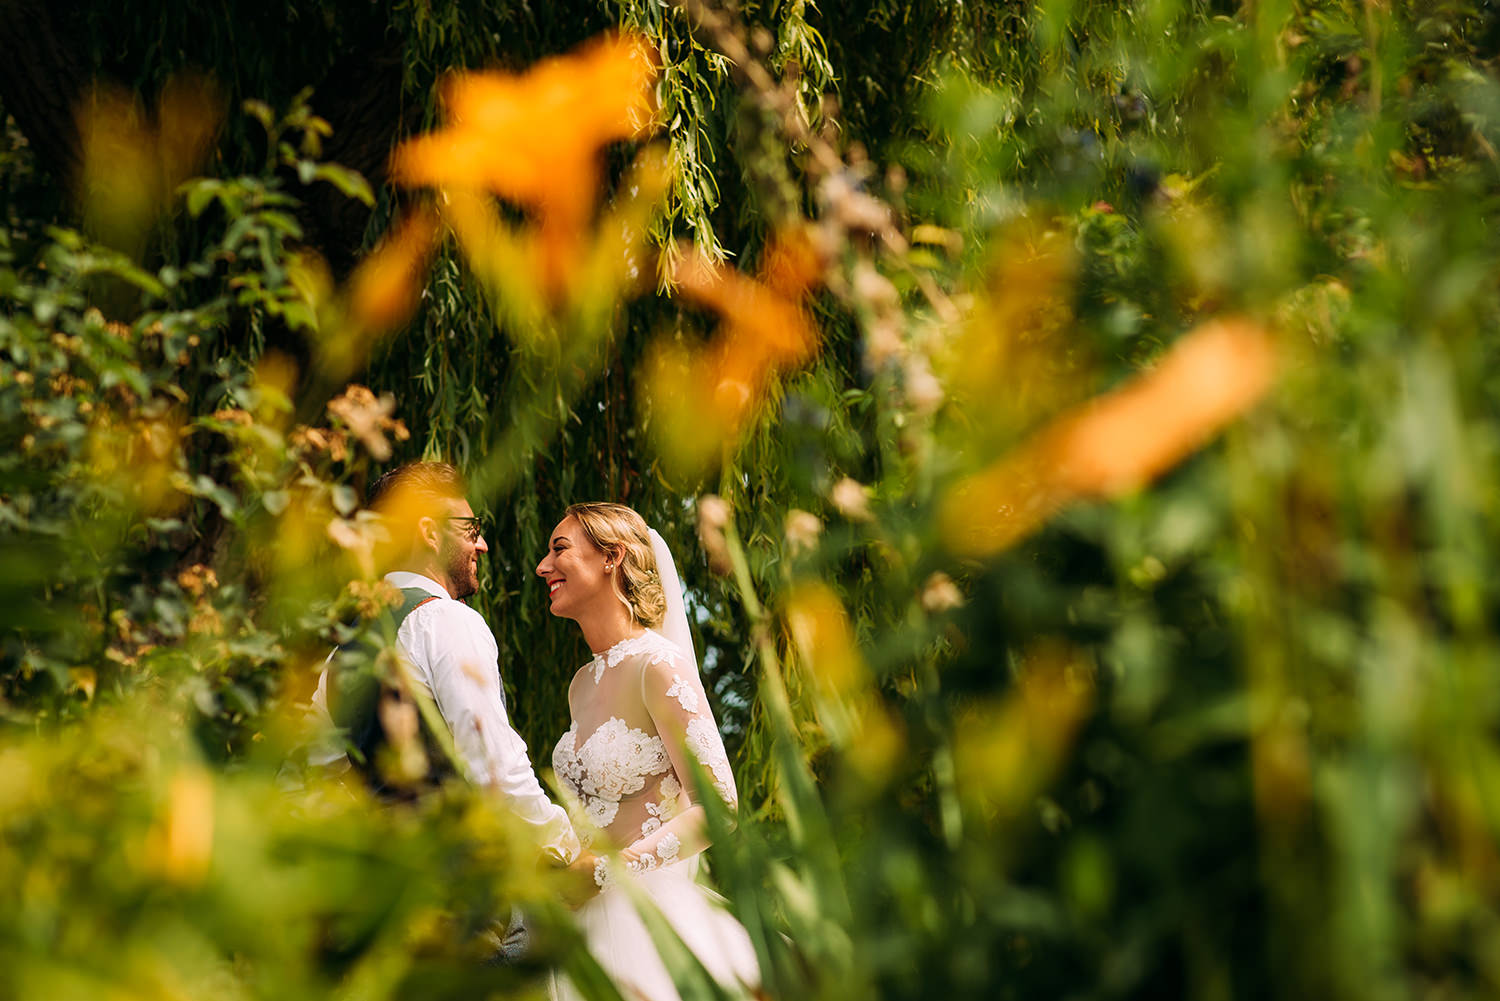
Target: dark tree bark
42,77
44,74
360,97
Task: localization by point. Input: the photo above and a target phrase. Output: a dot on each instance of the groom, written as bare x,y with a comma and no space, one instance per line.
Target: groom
435,543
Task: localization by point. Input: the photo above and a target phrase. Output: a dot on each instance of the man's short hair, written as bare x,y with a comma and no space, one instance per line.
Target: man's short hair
404,495
421,478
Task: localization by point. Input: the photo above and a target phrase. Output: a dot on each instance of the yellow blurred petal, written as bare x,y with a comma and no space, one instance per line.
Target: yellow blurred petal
131,166
502,257
617,258
820,627
1006,752
119,185
878,744
597,93
687,428
309,275
536,139
189,827
770,327
1014,356
275,379
711,392
188,115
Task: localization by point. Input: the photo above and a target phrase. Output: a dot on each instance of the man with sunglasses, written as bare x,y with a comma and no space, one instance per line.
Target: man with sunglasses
450,656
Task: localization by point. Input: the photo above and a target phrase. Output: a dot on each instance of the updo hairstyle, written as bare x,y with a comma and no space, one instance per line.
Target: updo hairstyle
622,534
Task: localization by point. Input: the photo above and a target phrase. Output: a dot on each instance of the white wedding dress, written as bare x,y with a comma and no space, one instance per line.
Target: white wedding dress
637,710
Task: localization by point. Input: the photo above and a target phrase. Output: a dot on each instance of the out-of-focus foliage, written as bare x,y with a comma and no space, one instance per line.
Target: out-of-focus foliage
1222,738
132,869
1101,607
180,555
143,456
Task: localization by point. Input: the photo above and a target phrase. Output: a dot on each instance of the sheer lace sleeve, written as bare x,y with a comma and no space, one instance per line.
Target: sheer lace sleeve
674,696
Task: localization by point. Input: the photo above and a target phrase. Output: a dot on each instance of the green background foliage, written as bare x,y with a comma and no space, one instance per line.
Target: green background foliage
1230,735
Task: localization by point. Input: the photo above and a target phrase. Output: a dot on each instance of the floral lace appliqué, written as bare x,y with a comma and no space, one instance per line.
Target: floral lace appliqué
703,741
666,853
614,762
656,647
666,808
684,694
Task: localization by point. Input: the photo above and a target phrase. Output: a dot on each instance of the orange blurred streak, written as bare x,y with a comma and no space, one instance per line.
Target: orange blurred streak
535,138
386,287
523,136
1118,442
844,692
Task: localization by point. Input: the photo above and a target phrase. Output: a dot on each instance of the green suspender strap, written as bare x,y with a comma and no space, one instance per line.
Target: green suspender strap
360,679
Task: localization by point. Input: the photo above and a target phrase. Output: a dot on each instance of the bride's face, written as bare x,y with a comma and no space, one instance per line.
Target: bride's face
573,570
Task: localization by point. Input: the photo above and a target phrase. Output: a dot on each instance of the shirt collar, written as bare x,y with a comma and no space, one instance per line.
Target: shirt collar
405,578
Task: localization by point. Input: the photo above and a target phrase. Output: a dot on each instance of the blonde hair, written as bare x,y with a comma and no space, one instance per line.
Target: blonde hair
619,531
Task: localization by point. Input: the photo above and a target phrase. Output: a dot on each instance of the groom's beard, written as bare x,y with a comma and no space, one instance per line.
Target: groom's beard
463,581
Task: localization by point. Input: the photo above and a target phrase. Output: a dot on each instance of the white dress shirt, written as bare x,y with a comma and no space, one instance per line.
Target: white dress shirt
453,655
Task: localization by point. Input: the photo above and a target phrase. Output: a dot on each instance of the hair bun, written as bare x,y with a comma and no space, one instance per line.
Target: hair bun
617,527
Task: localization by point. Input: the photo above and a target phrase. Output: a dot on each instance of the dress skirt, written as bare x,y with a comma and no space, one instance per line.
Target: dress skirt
618,939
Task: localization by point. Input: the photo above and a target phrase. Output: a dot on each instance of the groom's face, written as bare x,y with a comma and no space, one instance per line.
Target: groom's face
459,549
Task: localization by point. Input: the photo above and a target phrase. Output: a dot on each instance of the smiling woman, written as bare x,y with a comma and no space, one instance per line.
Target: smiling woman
642,733
600,563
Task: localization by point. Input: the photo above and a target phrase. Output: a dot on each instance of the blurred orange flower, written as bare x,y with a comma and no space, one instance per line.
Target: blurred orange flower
181,843
1118,442
820,626
707,393
535,138
385,288
378,299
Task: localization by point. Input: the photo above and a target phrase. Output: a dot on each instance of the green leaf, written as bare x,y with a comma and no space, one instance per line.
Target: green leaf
350,182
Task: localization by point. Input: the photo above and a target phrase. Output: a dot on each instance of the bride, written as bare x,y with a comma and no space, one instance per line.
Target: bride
638,711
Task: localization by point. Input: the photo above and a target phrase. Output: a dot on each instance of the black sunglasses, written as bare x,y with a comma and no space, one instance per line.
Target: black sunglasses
470,527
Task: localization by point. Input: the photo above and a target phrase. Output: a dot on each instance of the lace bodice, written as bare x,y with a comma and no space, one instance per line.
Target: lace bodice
638,709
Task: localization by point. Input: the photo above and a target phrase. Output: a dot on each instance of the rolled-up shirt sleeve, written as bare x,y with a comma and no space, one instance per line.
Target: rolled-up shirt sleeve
456,657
